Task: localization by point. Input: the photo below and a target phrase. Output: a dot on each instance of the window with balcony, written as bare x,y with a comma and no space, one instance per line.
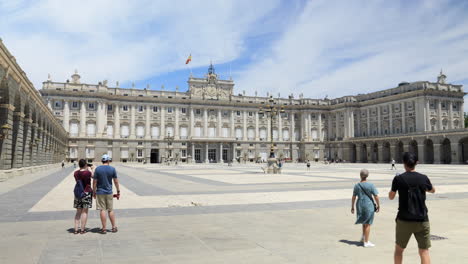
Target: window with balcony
125,108
109,107
155,109
140,131
155,132
183,110
140,109
170,109
91,106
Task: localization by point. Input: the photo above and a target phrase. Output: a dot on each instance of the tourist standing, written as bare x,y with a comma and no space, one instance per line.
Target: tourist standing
63,163
102,188
412,217
308,165
393,164
365,205
83,174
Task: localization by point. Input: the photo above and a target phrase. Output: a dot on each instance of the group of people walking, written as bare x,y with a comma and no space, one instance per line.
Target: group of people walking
96,184
412,217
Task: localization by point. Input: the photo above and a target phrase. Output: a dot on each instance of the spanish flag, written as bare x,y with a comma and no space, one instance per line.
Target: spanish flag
189,59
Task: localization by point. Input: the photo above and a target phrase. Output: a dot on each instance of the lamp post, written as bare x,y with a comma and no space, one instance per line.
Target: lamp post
271,111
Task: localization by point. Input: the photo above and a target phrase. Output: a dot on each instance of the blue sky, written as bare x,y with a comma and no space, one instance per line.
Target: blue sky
315,47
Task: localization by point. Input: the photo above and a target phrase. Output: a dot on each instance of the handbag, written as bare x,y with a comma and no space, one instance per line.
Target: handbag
370,197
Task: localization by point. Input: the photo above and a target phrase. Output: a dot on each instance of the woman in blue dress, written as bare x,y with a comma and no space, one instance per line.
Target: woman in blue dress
365,190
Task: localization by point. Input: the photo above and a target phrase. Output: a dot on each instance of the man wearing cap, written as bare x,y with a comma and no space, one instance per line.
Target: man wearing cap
102,191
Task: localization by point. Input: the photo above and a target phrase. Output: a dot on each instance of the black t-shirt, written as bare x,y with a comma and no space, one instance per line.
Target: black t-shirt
412,178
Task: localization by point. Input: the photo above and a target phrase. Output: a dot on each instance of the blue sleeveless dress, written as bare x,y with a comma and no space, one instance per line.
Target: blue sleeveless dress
364,206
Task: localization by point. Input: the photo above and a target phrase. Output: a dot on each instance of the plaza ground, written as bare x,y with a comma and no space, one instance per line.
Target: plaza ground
218,214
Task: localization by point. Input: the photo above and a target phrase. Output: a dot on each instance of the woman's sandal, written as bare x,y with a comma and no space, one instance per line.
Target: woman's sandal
84,231
77,231
114,230
103,231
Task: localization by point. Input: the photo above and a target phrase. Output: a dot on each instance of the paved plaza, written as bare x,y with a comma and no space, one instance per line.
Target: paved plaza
219,214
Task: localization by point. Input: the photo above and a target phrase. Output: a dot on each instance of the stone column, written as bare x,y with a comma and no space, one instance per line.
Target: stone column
437,153
221,152
450,115
456,152
403,117
244,132
233,134
293,128
256,127
269,135
462,117
346,126
368,123
26,141
219,129
193,150
428,116
379,122
393,151
83,119
421,154
439,114
66,116
320,136
280,128
132,121
101,119
116,121
192,125
162,132
17,141
148,123
205,123
380,152
206,153
359,153
390,118
304,127
176,123
337,125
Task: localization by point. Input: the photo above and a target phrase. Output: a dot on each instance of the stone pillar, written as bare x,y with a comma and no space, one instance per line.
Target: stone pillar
148,123
379,122
205,123
132,121
403,117
256,127
421,154
390,118
439,114
221,152
269,135
428,115
83,119
304,127
219,129
380,148
176,123
233,134
437,153
293,128
244,129
346,125
450,115
280,128
206,153
26,141
66,116
368,123
393,151
359,157
192,126
319,132
462,117
337,125
116,122
162,127
101,119
456,152
193,150
17,142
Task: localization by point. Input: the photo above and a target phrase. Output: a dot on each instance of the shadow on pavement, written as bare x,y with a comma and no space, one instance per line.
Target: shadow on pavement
351,243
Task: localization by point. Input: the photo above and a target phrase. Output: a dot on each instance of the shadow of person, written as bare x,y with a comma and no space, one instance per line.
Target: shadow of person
351,243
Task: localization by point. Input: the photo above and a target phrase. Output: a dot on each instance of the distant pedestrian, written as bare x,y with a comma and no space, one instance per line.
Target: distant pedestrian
74,164
102,188
63,163
365,205
308,165
393,164
82,204
412,217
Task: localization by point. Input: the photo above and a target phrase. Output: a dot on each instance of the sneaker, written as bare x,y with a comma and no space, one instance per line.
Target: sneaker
368,244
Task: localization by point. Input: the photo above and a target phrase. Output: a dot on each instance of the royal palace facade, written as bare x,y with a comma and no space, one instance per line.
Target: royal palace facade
209,123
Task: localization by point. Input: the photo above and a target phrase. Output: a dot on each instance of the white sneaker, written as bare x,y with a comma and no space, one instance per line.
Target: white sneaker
368,244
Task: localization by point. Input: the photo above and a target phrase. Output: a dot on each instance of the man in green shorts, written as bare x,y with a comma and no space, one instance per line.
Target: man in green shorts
412,215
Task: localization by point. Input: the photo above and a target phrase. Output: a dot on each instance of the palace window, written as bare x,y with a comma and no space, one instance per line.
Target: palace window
140,108
109,107
197,111
91,106
125,108
170,109
238,113
74,104
250,113
155,109
184,110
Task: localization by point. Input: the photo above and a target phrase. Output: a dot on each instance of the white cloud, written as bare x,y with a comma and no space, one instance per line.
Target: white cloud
125,40
347,47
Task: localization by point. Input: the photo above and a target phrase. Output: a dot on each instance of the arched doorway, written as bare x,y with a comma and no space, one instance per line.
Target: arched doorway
445,152
464,150
399,152
386,152
375,153
428,151
364,153
413,147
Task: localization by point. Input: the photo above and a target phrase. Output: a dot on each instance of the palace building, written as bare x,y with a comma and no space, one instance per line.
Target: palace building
209,123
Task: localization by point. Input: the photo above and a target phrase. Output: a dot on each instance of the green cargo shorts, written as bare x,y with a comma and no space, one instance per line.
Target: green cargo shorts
421,231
